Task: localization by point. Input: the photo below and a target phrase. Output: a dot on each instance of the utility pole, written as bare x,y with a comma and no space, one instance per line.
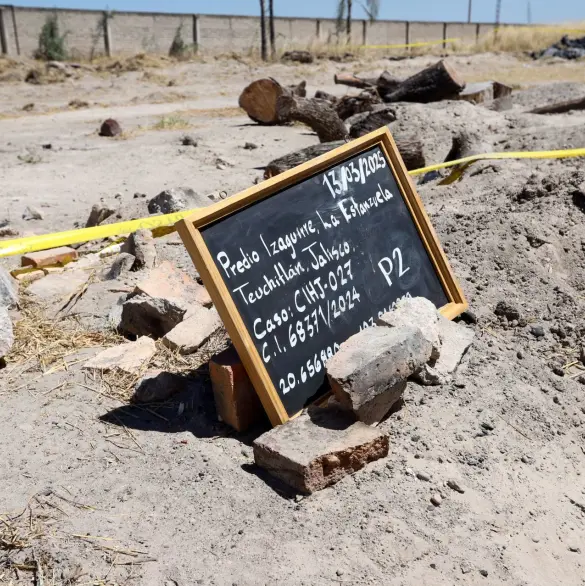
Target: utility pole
469,11
528,13
498,8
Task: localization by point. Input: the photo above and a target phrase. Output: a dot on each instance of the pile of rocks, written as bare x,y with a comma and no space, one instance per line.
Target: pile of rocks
566,48
368,377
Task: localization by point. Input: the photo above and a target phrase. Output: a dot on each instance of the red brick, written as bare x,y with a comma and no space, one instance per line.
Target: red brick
168,282
61,255
236,400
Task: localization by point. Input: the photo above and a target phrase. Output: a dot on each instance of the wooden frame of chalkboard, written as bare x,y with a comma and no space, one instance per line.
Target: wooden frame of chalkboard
191,230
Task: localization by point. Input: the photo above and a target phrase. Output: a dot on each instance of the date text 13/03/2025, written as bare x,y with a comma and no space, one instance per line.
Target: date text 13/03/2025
303,288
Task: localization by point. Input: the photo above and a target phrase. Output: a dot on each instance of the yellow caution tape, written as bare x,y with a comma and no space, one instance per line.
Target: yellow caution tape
158,224
161,225
406,45
562,154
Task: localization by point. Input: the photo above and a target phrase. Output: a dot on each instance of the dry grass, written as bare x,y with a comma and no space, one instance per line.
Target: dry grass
516,39
120,386
171,122
27,540
43,343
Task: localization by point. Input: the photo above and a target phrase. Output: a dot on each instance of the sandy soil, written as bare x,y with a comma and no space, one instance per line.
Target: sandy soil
169,496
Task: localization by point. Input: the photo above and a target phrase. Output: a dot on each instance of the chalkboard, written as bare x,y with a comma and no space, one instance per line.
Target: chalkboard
320,254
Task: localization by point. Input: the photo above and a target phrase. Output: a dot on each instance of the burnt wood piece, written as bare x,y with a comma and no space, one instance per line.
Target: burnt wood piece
560,107
259,99
372,121
318,114
410,148
437,82
298,56
321,95
349,105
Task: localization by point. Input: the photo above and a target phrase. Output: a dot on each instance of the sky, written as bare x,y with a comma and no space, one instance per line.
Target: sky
542,11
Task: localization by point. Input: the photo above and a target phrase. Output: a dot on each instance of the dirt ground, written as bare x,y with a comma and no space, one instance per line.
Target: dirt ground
167,495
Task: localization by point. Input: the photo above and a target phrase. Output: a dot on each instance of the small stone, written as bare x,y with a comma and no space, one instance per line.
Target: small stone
465,568
250,146
581,379
6,333
99,213
30,276
122,264
423,476
7,231
484,573
537,331
8,290
526,460
177,199
129,357
28,107
487,425
454,485
339,572
110,127
509,311
574,549
436,500
558,371
187,140
53,256
31,213
140,245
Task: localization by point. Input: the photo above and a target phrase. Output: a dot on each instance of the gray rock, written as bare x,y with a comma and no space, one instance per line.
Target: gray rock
454,485
32,213
368,373
6,333
187,140
509,311
8,290
122,264
423,476
537,331
456,341
150,316
99,213
140,244
427,376
188,336
436,500
157,386
177,199
417,312
319,448
128,358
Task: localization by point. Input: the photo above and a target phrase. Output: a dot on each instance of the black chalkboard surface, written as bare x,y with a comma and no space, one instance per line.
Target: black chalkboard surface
318,260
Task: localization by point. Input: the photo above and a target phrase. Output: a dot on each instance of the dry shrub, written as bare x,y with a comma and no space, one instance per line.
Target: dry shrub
152,77
171,122
138,62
